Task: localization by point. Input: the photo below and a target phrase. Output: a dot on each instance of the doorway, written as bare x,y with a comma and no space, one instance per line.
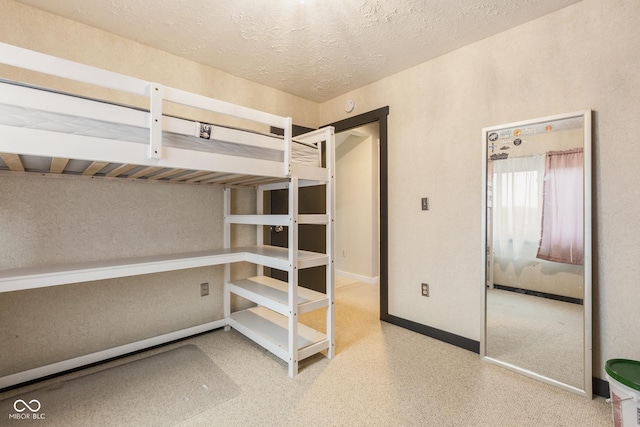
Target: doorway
378,116
309,203
357,204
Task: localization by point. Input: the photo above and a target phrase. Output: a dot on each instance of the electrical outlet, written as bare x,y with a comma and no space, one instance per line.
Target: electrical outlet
204,289
425,289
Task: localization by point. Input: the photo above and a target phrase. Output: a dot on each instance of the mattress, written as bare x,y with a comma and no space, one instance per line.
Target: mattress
192,135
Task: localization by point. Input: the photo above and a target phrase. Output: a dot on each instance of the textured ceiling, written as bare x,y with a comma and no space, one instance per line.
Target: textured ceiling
316,49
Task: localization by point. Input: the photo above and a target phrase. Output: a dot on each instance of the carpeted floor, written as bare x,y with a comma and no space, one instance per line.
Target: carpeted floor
159,390
382,375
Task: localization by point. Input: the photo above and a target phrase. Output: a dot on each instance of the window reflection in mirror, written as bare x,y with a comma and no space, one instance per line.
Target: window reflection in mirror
537,257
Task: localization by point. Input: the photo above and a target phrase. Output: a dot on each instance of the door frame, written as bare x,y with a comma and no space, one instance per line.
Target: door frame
379,116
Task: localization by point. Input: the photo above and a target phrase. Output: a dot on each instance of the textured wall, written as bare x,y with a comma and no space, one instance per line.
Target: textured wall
584,56
356,217
54,221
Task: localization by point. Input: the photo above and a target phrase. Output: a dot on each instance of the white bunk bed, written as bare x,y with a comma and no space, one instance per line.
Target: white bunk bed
50,133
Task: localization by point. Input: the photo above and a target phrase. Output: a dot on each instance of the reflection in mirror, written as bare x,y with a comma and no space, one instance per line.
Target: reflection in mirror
537,292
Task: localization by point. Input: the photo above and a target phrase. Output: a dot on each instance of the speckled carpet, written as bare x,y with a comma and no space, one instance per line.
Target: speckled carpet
159,390
382,375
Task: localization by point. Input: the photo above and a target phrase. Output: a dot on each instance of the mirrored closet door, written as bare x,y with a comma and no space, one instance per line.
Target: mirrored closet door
537,241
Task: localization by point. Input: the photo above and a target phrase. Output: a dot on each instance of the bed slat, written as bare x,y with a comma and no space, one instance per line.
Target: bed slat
58,164
197,176
189,176
120,170
94,168
224,179
166,174
202,178
256,180
146,171
237,179
13,161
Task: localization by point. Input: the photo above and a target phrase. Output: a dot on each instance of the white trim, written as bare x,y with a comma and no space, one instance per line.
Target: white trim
369,280
88,359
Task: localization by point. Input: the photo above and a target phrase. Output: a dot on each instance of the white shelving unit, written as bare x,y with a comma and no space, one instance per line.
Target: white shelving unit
274,323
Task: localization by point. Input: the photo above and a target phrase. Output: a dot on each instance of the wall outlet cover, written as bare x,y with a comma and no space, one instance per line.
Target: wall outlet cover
425,289
204,289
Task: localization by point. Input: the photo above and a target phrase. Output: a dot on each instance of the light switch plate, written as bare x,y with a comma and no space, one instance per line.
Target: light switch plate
425,203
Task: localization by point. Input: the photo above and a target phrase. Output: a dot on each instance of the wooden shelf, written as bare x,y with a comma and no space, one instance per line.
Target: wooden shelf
270,330
274,294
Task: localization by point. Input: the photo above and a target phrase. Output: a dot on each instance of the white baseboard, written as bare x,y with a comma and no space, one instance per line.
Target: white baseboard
359,278
77,362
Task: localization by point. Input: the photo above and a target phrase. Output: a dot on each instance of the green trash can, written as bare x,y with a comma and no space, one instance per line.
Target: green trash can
624,383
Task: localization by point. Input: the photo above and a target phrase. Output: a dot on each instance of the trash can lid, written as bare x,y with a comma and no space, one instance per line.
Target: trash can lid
625,371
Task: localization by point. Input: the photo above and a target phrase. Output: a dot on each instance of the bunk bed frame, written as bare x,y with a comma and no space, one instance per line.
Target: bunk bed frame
139,144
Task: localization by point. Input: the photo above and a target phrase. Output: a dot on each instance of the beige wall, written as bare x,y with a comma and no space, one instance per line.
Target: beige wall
51,221
581,57
357,204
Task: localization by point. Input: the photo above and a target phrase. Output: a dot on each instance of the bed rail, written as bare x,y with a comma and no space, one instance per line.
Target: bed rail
156,93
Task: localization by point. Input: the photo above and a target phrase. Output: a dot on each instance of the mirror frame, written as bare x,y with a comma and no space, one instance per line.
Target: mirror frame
587,389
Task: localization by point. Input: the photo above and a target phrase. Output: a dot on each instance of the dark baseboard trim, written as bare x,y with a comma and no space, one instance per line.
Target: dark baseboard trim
539,294
438,334
600,387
